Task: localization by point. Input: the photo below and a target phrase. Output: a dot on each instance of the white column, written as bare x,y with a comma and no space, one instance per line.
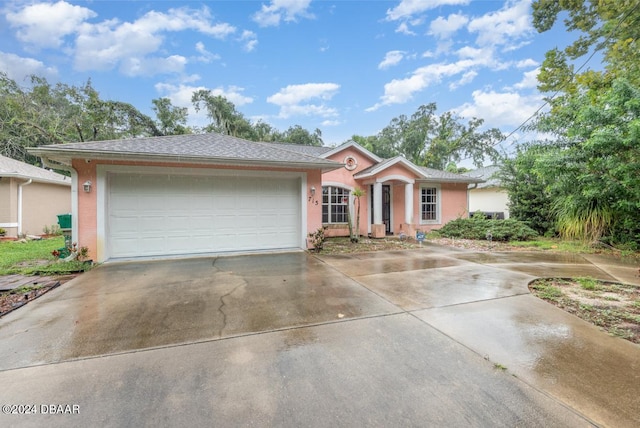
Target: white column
408,203
377,203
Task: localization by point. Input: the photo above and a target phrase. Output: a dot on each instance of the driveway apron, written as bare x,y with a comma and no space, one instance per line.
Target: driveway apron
430,337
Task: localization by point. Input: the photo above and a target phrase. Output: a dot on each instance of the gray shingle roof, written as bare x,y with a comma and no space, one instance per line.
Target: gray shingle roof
427,173
14,168
205,147
308,150
487,174
448,176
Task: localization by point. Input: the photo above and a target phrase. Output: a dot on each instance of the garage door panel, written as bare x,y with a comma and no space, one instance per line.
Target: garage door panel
151,215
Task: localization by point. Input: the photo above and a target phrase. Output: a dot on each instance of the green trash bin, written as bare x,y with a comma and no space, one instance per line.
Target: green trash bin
64,221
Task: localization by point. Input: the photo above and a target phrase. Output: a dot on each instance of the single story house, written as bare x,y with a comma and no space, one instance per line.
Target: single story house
31,198
489,197
211,193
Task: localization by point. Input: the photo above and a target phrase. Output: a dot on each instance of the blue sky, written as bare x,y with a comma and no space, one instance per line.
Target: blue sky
345,67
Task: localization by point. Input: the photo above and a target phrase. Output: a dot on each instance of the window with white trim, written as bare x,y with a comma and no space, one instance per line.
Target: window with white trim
335,204
429,205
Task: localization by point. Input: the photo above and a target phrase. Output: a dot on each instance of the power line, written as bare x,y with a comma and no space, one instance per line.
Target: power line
573,74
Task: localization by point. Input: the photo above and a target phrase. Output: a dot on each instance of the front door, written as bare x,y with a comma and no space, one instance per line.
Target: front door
386,207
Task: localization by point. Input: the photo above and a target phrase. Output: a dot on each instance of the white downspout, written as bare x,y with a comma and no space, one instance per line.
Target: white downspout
20,186
469,189
74,193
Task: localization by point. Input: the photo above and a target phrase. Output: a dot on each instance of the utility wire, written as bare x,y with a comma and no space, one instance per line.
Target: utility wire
573,74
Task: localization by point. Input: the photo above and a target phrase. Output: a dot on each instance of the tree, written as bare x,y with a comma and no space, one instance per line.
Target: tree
171,120
594,116
530,199
594,171
225,118
265,132
608,26
298,135
435,141
357,194
42,113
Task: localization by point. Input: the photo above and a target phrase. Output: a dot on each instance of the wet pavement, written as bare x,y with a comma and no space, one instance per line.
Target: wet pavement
414,337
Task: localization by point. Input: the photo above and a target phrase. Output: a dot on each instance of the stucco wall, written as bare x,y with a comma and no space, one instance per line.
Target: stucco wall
88,202
8,206
345,177
453,205
41,204
489,200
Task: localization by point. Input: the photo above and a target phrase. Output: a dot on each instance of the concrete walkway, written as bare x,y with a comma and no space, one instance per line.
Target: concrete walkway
404,338
481,300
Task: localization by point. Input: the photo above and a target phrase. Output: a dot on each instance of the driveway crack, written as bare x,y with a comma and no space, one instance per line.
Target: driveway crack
222,305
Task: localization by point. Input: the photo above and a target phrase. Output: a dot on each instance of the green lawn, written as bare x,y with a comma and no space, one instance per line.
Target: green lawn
27,258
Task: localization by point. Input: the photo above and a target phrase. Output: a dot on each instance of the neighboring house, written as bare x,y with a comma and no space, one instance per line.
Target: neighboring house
210,193
31,197
488,197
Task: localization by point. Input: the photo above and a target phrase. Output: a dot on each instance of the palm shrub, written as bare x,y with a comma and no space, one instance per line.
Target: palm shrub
584,220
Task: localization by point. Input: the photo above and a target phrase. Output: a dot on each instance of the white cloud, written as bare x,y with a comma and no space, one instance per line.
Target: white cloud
250,40
407,8
294,100
17,68
404,29
150,66
44,25
465,79
105,45
527,63
331,123
529,80
500,109
399,91
445,28
205,55
505,26
390,59
287,10
294,94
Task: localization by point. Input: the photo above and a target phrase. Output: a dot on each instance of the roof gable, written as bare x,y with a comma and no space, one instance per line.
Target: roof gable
386,164
351,144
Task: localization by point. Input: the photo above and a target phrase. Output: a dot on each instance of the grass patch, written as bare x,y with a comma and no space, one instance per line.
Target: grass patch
35,258
547,291
14,252
589,284
550,244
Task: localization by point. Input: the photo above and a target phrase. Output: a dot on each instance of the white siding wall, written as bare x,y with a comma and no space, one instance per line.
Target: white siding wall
489,200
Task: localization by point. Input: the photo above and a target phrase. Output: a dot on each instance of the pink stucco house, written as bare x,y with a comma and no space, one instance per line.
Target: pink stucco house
211,193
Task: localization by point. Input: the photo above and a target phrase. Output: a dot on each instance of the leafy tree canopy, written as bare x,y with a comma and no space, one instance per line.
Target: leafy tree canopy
433,140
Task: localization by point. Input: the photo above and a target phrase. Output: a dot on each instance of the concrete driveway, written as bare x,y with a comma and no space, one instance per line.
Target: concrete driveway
411,338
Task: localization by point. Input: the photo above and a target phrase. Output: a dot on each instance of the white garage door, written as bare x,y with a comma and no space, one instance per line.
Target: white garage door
155,215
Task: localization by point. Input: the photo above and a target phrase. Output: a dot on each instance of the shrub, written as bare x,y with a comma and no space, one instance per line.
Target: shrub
317,239
478,227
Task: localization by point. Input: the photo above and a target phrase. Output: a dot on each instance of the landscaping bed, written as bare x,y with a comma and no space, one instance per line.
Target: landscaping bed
28,269
613,307
13,299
